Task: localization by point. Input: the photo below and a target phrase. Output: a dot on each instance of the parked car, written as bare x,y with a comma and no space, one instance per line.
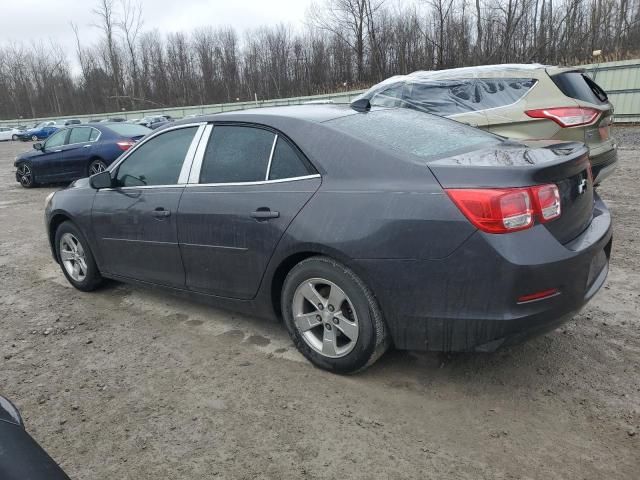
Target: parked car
355,227
72,121
75,152
20,455
40,131
117,119
516,101
9,133
154,122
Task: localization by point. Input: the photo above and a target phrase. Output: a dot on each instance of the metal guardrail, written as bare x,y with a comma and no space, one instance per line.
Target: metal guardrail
620,79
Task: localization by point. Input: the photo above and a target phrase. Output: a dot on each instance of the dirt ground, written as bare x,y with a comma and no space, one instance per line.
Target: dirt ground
130,383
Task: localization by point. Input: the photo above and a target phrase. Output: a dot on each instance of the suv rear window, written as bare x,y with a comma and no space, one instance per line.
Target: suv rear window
408,131
577,85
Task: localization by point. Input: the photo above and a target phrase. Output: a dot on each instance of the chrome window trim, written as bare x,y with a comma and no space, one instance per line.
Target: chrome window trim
273,149
259,182
196,166
141,187
188,159
153,134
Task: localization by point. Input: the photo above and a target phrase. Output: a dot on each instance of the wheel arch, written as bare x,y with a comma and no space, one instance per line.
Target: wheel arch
289,261
57,219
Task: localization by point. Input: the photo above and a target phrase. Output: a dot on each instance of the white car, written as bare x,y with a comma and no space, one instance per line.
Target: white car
7,133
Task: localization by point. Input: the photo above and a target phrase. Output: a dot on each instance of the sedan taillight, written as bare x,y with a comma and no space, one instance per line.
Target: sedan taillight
504,210
566,116
125,145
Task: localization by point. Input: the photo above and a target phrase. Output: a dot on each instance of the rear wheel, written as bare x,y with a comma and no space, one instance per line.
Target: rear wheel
332,316
76,259
34,138
24,175
96,166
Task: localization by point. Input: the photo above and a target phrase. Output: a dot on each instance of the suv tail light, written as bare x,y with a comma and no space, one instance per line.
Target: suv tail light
566,116
504,210
125,145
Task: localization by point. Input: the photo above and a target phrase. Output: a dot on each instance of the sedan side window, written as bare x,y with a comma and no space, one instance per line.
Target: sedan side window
79,135
158,161
56,140
287,162
237,154
93,136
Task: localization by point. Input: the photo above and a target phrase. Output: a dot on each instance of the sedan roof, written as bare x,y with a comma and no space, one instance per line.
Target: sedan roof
310,113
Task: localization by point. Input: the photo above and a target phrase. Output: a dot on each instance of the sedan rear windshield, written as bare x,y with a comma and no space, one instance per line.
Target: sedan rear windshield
421,134
129,129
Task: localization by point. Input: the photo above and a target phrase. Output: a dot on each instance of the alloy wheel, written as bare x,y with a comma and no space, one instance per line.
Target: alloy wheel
34,138
73,257
325,317
25,175
97,166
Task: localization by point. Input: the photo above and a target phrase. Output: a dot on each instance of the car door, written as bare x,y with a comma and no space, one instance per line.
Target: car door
135,222
79,150
49,163
5,134
246,186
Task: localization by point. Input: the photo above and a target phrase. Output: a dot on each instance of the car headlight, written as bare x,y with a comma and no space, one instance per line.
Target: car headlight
47,200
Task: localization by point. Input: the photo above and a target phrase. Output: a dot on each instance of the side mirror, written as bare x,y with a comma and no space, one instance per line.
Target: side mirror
101,180
38,146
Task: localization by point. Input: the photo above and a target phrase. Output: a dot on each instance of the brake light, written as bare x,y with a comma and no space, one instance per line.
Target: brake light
125,145
547,202
504,210
566,116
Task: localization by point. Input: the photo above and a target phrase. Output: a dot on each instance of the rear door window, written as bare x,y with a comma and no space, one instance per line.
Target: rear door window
237,154
577,85
79,135
500,92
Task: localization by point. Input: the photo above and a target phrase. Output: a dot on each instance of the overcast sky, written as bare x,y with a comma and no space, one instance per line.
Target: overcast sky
34,20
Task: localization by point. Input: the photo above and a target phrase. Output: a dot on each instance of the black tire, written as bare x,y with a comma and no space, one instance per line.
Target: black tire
92,278
14,138
34,138
373,338
96,164
25,175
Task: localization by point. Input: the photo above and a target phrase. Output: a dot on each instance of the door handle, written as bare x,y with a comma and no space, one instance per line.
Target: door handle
161,213
86,146
264,213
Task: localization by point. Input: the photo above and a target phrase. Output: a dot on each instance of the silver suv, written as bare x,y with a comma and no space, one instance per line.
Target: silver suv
516,101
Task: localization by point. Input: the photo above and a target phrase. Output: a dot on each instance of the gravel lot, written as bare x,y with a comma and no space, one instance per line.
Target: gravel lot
130,383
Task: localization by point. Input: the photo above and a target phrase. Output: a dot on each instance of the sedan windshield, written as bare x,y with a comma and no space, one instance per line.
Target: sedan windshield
421,134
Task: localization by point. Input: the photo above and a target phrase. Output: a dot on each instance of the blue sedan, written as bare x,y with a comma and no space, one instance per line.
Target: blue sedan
76,152
40,131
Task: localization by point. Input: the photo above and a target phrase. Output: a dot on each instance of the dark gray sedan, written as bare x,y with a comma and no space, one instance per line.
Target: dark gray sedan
360,228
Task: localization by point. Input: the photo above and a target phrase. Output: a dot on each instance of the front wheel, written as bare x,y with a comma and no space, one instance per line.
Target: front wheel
75,258
332,316
34,138
14,138
24,175
96,166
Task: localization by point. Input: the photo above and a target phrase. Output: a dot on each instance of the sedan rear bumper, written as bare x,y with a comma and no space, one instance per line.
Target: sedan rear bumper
469,300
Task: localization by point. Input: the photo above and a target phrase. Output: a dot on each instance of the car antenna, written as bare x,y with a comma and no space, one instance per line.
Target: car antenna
361,105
